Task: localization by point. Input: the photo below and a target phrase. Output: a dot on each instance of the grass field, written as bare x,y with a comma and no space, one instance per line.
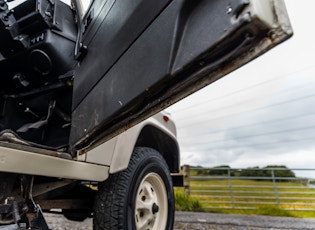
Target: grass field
253,197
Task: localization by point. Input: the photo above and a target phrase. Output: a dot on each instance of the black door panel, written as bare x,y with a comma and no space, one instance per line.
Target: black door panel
187,46
118,25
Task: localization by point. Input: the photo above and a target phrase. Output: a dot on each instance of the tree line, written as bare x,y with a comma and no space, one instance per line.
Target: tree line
225,170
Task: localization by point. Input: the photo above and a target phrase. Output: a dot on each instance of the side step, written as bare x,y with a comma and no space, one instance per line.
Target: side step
20,159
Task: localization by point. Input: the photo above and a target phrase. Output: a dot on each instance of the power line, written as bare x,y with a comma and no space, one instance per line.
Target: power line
240,103
251,110
245,89
260,144
256,124
256,135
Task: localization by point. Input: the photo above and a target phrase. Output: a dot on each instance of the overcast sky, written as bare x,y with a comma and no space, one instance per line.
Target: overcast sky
262,114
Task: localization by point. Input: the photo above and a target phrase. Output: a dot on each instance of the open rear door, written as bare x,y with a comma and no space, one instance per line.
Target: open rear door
138,57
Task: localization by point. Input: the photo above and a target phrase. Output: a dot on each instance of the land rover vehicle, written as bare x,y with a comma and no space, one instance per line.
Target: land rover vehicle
74,76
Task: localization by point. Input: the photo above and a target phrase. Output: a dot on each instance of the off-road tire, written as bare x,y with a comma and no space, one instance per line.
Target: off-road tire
120,204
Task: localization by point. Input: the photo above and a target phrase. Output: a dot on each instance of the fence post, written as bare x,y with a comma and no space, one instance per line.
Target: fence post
275,187
231,188
186,173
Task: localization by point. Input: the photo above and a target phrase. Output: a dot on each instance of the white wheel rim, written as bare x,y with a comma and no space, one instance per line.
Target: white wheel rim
151,203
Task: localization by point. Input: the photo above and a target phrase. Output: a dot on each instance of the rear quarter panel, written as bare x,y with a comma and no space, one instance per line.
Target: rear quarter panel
117,151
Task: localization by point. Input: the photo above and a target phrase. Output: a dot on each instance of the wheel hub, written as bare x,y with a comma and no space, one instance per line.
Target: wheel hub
151,204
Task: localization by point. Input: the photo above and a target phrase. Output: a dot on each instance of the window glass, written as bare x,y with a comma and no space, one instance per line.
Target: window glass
84,6
15,3
66,1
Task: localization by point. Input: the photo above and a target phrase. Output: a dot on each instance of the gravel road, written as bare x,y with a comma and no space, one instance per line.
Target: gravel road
203,221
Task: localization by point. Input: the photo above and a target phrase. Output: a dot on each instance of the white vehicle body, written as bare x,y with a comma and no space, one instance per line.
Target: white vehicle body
92,165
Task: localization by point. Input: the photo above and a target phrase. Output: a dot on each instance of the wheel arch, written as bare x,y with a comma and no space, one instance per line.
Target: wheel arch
155,138
150,134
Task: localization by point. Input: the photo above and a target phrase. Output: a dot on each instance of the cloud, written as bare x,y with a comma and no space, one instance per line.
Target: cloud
259,115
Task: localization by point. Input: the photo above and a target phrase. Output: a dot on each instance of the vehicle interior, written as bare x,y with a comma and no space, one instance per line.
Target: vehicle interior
37,46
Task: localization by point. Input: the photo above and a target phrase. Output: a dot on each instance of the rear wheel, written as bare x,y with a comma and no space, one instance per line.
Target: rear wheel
140,197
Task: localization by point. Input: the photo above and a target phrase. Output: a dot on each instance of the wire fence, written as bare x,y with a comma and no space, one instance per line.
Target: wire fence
230,188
